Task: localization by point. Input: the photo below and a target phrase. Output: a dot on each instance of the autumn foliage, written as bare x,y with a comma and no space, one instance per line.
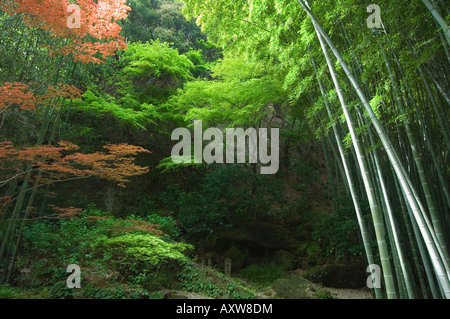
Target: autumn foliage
130,226
116,163
60,91
20,95
66,212
16,94
98,21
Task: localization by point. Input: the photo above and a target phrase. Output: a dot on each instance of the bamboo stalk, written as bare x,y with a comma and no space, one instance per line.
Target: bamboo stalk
414,202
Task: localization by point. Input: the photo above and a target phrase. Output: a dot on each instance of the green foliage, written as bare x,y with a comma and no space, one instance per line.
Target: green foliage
224,191
201,67
138,116
170,75
197,279
136,254
144,208
163,20
242,94
168,165
263,275
337,232
305,172
291,288
155,60
312,251
322,293
167,224
10,292
285,259
98,241
6,292
196,214
115,292
67,241
132,89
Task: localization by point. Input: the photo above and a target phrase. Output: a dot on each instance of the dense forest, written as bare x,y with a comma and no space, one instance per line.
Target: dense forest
244,149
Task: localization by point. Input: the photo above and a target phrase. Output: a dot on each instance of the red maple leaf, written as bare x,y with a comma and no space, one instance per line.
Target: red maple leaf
98,21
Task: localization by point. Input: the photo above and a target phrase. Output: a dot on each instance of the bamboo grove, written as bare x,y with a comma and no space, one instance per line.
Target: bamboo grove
378,98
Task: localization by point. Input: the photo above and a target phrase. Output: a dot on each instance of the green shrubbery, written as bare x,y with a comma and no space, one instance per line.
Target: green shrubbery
262,275
119,258
134,255
199,279
132,251
10,292
225,190
338,232
311,251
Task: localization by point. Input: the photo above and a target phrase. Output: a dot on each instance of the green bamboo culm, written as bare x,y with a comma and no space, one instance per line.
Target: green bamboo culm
440,264
352,188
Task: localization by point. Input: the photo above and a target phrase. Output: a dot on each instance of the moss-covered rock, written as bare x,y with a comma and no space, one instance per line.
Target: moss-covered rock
291,288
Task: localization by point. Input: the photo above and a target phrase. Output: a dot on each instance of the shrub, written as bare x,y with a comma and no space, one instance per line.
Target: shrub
195,278
133,255
132,248
262,274
285,260
7,292
337,232
311,251
167,224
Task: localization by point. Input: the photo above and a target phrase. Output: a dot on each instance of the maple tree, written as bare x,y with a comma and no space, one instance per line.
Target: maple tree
98,20
116,164
60,90
16,94
65,212
19,94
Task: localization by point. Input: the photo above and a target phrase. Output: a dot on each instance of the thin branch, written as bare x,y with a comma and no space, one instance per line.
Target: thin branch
53,74
48,183
2,183
53,216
